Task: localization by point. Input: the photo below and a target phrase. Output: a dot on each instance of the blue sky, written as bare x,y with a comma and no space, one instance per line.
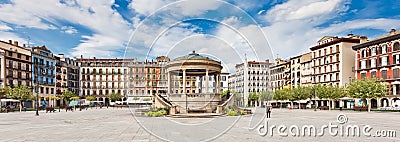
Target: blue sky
222,29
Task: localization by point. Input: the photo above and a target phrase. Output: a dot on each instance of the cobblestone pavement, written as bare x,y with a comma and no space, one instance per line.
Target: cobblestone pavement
120,125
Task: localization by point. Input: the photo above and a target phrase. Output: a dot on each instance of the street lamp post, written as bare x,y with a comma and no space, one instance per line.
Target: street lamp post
315,95
315,100
37,89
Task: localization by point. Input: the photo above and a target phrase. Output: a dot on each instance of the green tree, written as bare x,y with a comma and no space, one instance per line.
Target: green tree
334,93
300,93
90,98
224,93
75,98
21,93
115,97
281,95
67,95
253,97
367,89
266,96
321,91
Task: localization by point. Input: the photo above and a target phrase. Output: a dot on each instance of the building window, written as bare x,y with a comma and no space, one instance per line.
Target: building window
363,64
373,74
337,48
396,46
373,63
363,75
384,74
384,61
395,73
373,51
396,59
384,49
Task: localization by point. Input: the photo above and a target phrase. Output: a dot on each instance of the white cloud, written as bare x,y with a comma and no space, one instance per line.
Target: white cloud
146,7
379,24
98,16
4,27
294,26
312,10
69,30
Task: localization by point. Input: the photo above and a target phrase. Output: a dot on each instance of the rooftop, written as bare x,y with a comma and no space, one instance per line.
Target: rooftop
192,55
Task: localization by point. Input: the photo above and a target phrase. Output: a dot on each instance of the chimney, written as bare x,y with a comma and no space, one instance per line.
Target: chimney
81,56
363,39
10,41
392,32
16,43
23,45
350,35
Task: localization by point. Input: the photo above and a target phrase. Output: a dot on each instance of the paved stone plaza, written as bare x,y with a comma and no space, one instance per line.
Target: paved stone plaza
120,125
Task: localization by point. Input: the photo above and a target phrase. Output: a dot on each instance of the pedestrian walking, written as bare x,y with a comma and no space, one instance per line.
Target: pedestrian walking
268,111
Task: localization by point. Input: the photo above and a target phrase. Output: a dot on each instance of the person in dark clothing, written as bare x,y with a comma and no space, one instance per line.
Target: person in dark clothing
268,111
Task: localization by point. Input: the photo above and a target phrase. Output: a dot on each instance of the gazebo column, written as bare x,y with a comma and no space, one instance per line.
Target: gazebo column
201,84
168,83
184,81
207,80
215,84
219,83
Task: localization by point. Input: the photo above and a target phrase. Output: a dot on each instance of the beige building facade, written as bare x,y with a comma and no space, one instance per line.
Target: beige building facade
333,60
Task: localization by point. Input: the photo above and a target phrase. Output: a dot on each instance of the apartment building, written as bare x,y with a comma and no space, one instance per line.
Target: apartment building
147,78
102,77
249,77
280,74
295,71
2,68
306,69
333,60
67,75
43,66
380,59
15,64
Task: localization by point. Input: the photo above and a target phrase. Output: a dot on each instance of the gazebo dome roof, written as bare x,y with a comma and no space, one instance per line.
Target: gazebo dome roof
192,55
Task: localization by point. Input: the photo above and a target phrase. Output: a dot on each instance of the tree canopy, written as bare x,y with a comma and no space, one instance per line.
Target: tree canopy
301,93
115,97
283,94
90,98
20,92
254,97
67,95
367,89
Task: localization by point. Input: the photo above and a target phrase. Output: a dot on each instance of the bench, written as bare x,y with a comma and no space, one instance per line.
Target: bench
323,107
50,109
247,111
9,109
360,108
68,108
